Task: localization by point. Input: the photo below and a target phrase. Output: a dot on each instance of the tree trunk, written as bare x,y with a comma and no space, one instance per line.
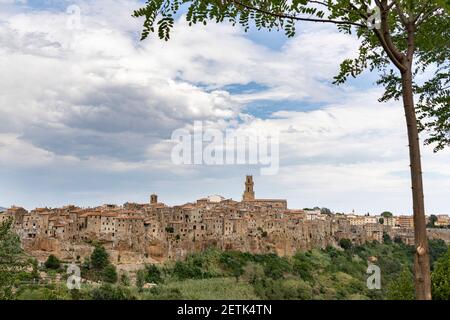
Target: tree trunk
422,279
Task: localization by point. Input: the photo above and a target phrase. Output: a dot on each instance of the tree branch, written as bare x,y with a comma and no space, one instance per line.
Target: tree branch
400,12
411,28
385,38
424,14
293,17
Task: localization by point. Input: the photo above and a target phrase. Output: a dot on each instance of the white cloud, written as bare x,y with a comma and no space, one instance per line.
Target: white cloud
96,101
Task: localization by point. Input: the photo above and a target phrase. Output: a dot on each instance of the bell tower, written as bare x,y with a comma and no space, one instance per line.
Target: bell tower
153,199
249,194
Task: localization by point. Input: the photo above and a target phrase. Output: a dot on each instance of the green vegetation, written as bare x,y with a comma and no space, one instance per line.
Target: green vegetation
12,260
401,42
330,273
99,258
98,268
441,278
52,262
345,244
110,292
433,219
214,288
109,274
437,249
402,288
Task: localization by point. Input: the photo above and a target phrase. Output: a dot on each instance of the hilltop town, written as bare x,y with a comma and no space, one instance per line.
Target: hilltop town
154,232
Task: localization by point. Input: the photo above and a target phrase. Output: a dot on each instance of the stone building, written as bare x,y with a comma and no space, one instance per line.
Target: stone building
158,231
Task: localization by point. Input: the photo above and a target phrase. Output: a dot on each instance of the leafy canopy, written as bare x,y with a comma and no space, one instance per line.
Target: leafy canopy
402,288
12,259
440,278
99,258
52,262
383,48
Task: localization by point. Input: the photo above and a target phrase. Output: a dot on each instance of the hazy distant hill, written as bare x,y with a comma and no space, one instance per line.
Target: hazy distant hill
2,209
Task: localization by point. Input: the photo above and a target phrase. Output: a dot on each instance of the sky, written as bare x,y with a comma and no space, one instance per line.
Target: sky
87,112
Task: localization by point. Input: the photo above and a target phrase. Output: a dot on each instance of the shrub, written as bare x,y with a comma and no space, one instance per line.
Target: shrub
185,270
253,272
110,292
437,249
109,274
52,262
35,272
124,280
440,278
162,293
50,292
302,266
402,288
99,258
345,244
398,240
275,267
152,274
140,279
283,289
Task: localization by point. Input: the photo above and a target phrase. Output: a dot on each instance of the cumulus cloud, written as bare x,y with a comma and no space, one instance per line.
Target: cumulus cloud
95,104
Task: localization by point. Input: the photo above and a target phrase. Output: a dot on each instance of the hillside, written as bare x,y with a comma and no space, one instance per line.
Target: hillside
317,274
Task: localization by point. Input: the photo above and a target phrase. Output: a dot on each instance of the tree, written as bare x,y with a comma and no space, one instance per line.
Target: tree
325,211
253,272
381,220
345,243
398,240
12,259
140,279
52,262
387,214
109,274
99,258
438,248
303,267
401,288
124,280
441,278
387,238
400,38
433,220
153,274
35,271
